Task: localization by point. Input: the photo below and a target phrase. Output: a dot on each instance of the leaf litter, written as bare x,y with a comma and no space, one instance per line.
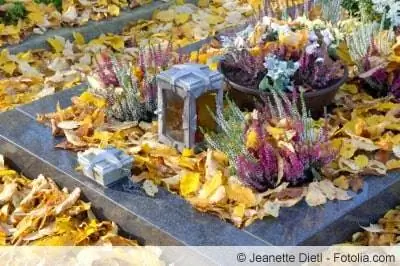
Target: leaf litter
38,213
33,74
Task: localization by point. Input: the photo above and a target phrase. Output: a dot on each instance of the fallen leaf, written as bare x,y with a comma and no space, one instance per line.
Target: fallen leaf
190,183
150,188
393,164
315,196
271,208
342,182
210,186
72,138
69,125
373,228
241,194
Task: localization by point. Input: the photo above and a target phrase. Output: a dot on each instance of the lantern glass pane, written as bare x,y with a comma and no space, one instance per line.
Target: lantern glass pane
205,107
173,112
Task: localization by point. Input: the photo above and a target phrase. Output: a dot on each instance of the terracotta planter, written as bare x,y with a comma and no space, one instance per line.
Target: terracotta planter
246,97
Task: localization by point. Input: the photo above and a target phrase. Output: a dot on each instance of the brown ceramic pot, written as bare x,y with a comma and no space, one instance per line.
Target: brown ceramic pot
315,101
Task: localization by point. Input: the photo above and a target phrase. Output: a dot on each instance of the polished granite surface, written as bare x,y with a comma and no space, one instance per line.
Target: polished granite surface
167,213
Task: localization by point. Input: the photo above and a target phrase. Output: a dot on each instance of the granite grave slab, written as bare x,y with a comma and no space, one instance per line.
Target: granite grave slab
300,225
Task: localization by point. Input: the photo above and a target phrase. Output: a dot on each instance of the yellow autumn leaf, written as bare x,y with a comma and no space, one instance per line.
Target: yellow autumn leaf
214,20
347,150
89,98
186,162
65,239
116,42
182,18
361,161
238,210
36,17
165,15
2,238
179,2
241,194
187,152
7,172
252,139
56,44
342,51
393,164
349,88
276,133
342,182
203,3
11,30
78,38
211,185
336,143
26,56
113,10
9,67
190,183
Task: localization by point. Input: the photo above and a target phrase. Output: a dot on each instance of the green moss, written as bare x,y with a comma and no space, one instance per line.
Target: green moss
16,12
56,3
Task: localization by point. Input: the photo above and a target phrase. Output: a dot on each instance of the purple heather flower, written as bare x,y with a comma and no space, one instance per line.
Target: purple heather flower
251,173
380,75
293,167
142,63
105,70
268,161
395,88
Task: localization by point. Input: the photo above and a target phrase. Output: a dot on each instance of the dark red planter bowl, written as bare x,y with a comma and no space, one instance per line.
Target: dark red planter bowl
246,98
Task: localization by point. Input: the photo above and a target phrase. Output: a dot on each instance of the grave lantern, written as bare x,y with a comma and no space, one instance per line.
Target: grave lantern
188,94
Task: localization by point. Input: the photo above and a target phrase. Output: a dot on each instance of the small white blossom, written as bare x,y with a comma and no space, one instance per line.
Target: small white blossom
328,37
266,21
310,49
312,37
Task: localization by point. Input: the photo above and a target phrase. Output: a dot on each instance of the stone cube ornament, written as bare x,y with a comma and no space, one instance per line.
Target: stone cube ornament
105,166
188,94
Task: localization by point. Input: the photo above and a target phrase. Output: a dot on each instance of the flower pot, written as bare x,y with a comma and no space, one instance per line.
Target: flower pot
247,97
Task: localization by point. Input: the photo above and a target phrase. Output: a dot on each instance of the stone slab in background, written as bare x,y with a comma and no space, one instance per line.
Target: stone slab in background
331,223
48,104
92,29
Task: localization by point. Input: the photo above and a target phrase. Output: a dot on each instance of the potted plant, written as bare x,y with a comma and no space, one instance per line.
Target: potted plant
290,58
274,144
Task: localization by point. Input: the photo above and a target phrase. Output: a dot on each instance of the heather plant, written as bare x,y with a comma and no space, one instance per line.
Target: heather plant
369,47
389,10
125,101
230,139
245,61
331,10
316,69
277,143
131,91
